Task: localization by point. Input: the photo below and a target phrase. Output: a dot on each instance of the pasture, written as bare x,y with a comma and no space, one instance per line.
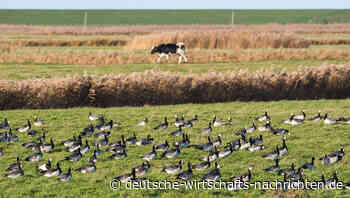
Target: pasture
104,66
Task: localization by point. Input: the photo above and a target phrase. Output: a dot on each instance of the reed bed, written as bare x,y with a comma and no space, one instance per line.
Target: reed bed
145,29
63,43
156,88
220,39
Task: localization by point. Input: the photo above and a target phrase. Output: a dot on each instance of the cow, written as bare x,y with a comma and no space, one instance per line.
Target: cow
168,49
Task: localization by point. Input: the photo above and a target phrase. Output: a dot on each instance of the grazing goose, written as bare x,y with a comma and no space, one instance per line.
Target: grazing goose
92,117
143,122
93,158
38,122
132,139
217,123
24,128
245,177
266,127
288,171
102,134
214,174
226,152
264,117
162,126
207,146
179,121
145,141
310,165
218,142
126,177
35,157
275,168
177,132
88,131
272,155
15,173
91,167
207,130
152,155
317,118
45,166
212,156
184,142
171,153
102,142
5,124
202,165
69,142
327,120
119,155
142,169
14,166
301,116
163,147
86,148
66,176
173,169
76,156
53,171
186,175
47,147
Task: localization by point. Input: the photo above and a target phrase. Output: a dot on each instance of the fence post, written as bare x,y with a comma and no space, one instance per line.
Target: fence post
85,19
233,18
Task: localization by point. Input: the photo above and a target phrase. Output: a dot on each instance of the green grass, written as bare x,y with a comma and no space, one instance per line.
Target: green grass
168,17
15,71
305,141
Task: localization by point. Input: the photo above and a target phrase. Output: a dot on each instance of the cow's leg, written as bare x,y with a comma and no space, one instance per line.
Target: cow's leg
167,57
182,55
160,56
180,59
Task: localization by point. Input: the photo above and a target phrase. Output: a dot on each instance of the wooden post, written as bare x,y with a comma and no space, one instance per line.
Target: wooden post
233,18
85,19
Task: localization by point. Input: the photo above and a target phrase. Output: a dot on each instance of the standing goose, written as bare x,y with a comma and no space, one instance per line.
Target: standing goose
179,121
120,155
126,177
92,117
93,158
32,132
214,174
43,137
145,141
266,127
226,152
202,165
86,148
121,142
35,157
327,120
317,118
297,176
24,128
301,116
163,147
279,131
11,137
102,134
5,124
45,166
207,146
107,126
76,145
38,122
171,153
284,149
288,171
101,122
143,122
212,156
177,132
333,157
102,142
54,171
47,147
91,167
264,117
254,148
186,175
218,142
66,176
152,155
275,168
76,156
69,142
207,130
163,125
142,169
217,123
88,131
184,142
245,177
173,169
310,165
16,173
132,139
258,140
194,120
251,129
272,155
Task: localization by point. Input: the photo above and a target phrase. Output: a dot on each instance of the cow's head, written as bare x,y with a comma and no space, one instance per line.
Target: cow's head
154,50
181,45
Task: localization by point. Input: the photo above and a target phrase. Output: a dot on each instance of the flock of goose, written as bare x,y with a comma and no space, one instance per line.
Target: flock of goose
77,148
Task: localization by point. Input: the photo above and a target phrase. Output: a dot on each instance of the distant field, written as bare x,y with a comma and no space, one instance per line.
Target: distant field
170,17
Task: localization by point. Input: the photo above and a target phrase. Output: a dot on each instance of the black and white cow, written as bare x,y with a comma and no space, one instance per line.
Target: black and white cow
170,48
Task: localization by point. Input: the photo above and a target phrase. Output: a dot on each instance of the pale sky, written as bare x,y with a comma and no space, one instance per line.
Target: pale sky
175,4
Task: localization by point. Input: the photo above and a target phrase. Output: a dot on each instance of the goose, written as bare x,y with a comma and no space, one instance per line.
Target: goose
126,177
217,123
244,144
184,142
202,165
272,155
24,128
92,117
116,148
241,132
66,176
145,141
316,118
102,134
86,148
218,142
266,127
53,171
275,168
88,131
76,156
310,165
177,132
31,145
207,130
101,122
74,147
115,124
14,166
102,142
93,158
293,121
163,125
187,125
212,156
333,157
43,137
226,152
15,173
35,157
143,122
194,120
163,147
142,169
152,155
339,153
301,116
171,153
5,124
331,182
327,120
69,142
254,148
257,141
214,174
186,175
33,132
12,138
173,169
108,126
98,150
38,122
279,131
45,166
245,177
120,155
121,142
132,140
251,129
207,146
288,171
47,147
297,176
284,149
264,117
179,121
89,168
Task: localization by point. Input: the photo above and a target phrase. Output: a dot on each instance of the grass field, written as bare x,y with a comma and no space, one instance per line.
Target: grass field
304,141
168,17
